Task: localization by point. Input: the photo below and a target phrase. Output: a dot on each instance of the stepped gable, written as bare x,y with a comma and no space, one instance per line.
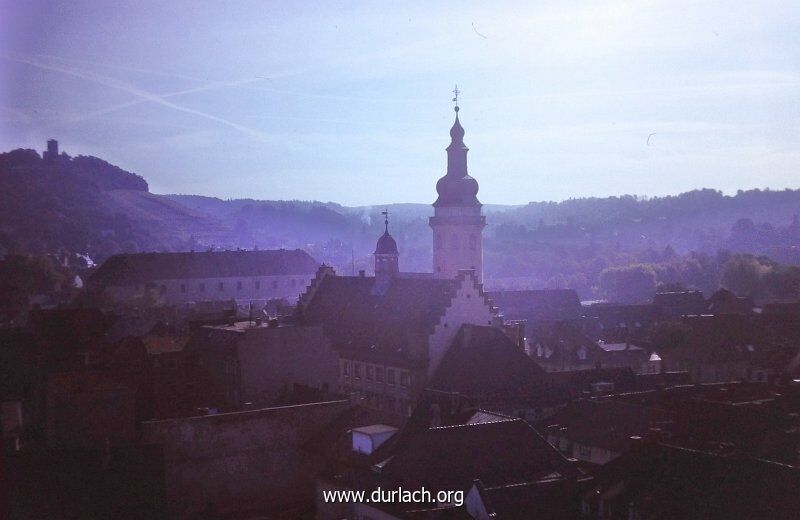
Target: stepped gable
357,319
127,269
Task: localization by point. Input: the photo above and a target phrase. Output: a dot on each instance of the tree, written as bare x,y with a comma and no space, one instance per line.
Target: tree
743,274
628,284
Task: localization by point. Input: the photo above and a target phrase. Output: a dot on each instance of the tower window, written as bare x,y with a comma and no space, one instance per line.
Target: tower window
258,284
202,287
454,243
239,285
220,286
473,242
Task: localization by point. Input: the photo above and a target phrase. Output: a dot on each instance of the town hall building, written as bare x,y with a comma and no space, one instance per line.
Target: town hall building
391,331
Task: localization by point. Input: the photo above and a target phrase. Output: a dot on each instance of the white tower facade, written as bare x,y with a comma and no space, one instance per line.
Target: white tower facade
458,220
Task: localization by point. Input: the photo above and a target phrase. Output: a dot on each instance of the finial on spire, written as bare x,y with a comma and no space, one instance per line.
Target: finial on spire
385,214
456,92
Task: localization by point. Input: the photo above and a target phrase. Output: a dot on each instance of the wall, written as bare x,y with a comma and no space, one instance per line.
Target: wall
286,286
245,460
469,306
271,359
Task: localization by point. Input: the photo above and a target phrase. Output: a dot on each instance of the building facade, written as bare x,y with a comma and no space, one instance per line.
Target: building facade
185,278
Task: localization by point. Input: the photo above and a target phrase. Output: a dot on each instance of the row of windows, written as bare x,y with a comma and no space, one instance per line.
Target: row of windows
201,287
376,373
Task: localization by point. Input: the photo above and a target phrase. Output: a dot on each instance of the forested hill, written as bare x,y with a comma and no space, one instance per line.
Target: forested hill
87,205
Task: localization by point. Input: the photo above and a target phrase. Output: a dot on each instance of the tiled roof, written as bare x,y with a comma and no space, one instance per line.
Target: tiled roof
609,424
484,364
670,482
549,499
497,453
545,304
356,320
127,269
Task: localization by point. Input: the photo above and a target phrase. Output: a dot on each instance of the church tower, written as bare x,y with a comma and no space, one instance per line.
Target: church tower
386,254
387,266
457,222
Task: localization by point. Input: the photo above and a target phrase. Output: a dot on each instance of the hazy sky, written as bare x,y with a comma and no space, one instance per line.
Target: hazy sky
350,102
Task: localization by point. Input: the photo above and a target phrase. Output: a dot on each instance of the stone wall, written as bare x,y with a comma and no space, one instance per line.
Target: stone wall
253,460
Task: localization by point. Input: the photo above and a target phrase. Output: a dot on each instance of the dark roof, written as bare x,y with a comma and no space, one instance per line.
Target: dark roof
533,305
684,302
386,245
497,453
580,381
484,364
549,499
356,320
608,423
670,483
130,269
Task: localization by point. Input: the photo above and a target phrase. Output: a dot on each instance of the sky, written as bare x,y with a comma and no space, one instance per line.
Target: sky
350,102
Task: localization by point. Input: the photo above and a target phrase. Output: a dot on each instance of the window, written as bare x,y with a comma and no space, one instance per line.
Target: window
370,373
258,284
292,282
454,243
274,284
220,286
163,289
346,368
390,376
239,285
202,287
473,242
379,374
585,451
405,379
357,370
183,287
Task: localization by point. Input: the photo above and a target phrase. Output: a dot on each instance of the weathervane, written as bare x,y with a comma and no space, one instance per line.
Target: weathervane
385,214
456,92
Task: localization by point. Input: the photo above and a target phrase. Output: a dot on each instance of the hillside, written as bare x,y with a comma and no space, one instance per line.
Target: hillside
87,205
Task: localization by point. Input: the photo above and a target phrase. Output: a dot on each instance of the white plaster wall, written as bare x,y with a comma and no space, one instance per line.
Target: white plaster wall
174,296
447,259
468,307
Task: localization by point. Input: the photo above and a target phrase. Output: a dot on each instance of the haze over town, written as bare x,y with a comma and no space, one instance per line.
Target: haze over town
346,102
267,261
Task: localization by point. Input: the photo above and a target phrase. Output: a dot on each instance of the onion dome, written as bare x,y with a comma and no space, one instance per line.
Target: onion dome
457,188
386,244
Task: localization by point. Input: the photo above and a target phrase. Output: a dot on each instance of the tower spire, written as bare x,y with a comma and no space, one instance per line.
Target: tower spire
385,214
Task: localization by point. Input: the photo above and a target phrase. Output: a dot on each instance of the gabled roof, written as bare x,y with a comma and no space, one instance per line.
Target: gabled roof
669,482
356,320
127,269
548,499
484,364
535,305
497,453
608,424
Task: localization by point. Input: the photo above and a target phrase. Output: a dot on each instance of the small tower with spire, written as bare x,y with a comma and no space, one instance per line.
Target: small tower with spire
458,221
386,255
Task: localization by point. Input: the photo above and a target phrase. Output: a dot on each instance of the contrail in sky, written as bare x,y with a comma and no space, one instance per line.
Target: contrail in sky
142,94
